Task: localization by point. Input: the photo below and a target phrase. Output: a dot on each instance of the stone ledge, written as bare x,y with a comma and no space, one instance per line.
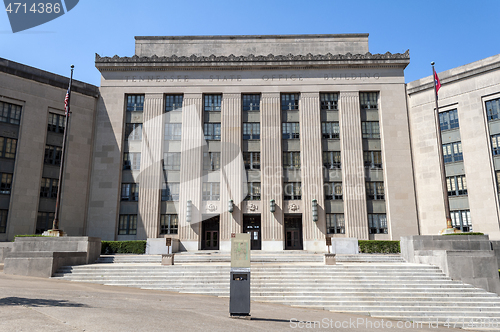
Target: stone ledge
42,264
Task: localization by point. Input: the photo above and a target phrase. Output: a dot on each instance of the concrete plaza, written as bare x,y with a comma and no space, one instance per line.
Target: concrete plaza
38,304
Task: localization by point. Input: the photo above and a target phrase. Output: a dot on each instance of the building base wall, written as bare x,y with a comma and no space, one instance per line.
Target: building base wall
272,246
188,246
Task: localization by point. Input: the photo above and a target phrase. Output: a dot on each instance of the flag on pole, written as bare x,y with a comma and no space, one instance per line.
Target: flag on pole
438,83
66,104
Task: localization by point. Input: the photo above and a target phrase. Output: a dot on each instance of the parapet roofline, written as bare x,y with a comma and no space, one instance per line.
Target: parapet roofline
252,61
229,37
45,77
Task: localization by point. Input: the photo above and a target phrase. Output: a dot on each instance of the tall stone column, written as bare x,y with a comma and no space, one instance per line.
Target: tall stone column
311,171
271,172
150,177
353,173
192,143
232,168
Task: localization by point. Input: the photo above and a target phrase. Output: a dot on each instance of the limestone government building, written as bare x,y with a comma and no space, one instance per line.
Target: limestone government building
291,138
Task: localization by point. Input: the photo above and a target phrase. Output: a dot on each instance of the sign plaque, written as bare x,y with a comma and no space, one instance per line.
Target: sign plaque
240,250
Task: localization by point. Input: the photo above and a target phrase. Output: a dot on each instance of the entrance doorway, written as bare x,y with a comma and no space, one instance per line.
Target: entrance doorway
293,232
210,232
251,225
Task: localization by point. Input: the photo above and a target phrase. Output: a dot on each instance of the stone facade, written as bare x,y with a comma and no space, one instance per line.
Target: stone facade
39,96
465,91
273,68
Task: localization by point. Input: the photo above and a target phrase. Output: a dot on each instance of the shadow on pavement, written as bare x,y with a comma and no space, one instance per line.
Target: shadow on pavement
39,302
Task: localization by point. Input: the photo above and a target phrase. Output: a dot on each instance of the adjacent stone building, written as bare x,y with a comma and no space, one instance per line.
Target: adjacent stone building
469,105
31,126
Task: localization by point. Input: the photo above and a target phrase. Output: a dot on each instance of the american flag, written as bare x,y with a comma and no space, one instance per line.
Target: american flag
66,103
436,79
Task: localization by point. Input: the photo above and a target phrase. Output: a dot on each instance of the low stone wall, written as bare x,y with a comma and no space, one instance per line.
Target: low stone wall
344,246
41,263
5,248
496,248
468,258
90,245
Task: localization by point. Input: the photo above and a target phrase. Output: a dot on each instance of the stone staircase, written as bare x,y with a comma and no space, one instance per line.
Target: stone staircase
374,285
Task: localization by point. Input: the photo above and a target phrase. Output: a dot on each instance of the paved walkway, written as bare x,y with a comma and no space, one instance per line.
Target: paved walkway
36,304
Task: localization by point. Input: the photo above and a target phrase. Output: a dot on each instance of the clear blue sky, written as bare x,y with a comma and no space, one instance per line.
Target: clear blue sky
451,33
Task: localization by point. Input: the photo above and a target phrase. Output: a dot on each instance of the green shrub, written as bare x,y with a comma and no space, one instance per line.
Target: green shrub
123,247
465,234
379,247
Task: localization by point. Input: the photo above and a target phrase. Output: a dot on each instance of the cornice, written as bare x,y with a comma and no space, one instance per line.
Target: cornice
107,63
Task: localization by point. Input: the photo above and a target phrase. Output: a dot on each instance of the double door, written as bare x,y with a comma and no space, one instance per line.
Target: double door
251,225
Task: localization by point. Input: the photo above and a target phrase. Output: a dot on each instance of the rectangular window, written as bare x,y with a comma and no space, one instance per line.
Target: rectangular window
333,190
135,103
10,113
292,190
457,185
130,192
49,188
452,152
173,131
212,131
44,222
370,129
331,159
372,159
56,123
495,144
3,221
461,220
253,191
173,103
377,222
291,159
6,184
53,155
132,160
290,102
211,161
251,102
133,131
251,130
169,224
375,190
251,160
211,191
212,103
291,130
368,100
329,101
448,120
127,224
493,109
172,161
8,147
330,130
170,191
498,181
335,223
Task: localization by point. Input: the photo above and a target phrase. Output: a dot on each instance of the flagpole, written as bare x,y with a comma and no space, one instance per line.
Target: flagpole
55,224
441,156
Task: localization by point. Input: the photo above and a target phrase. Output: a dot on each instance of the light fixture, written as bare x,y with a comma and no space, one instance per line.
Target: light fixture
315,210
188,211
272,206
230,206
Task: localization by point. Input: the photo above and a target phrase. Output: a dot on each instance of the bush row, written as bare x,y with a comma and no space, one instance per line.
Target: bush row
379,247
123,247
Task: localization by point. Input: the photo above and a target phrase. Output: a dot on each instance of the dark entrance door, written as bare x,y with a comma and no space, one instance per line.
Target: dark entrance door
210,231
251,225
293,232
